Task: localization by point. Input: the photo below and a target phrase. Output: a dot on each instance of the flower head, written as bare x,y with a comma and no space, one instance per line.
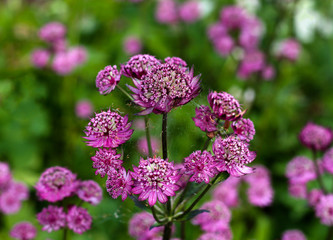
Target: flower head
84,109
52,32
108,129
90,191
297,190
78,219
261,194
19,190
40,57
166,12
316,137
225,106
205,119
268,72
324,209
107,79
138,66
221,235
224,45
52,218
189,11
62,63
119,183
289,49
328,160
55,184
176,61
132,45
300,170
165,87
232,154
155,178
106,159
244,129
139,226
227,191
293,235
78,55
314,197
23,231
233,17
5,175
9,202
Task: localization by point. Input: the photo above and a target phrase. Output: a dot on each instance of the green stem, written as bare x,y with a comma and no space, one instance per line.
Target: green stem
330,234
320,180
167,231
182,230
164,136
154,214
124,92
64,236
182,195
150,150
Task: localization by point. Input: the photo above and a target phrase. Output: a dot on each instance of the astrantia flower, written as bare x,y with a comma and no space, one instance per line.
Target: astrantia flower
166,12
132,45
244,129
260,175
52,32
139,226
205,119
261,194
165,87
316,137
328,160
176,61
252,62
143,145
138,66
216,30
224,45
108,129
20,190
40,58
289,49
233,17
78,219
189,11
225,106
297,190
300,170
293,235
227,191
314,197
324,209
105,159
107,79
216,219
55,184
119,183
268,72
201,166
78,55
155,178
62,64
23,231
9,203
5,174
221,235
83,109
52,218
232,154
90,191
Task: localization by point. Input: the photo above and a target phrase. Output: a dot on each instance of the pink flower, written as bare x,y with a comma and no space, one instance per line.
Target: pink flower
289,49
52,218
244,129
293,235
224,45
23,231
261,194
316,137
90,191
205,119
252,62
107,79
233,17
328,160
314,197
5,175
268,72
55,184
200,166
119,183
60,45
166,12
189,11
62,63
139,226
259,175
297,190
155,178
52,32
176,61
108,129
20,190
324,209
232,154
300,170
132,45
227,192
78,219
143,146
224,235
216,31
40,57
84,109
106,159
250,33
78,55
9,202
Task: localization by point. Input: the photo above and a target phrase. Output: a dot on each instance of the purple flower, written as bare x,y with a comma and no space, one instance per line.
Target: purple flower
9,202
221,235
106,159
227,192
78,55
119,183
165,87
297,190
252,62
5,175
260,175
52,32
139,226
225,106
59,45
108,129
62,63
233,17
268,72
328,160
107,79
78,219
244,129
19,190
250,33
293,235
316,137
143,146
84,109
216,219
155,178
40,57
138,66
166,12
90,191
23,231
300,170
189,11
224,45
216,31
132,45
52,218
314,197
205,119
260,194
232,154
201,166
289,49
176,61
324,209
55,184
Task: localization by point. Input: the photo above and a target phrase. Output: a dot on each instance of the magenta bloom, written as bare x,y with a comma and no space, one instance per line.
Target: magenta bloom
216,31
225,106
189,11
261,194
165,87
139,226
268,72
227,191
176,61
232,154
40,57
233,17
78,219
324,209
300,170
166,12
60,45
84,109
55,184
106,159
328,160
289,49
52,32
19,190
78,55
9,202
108,129
132,45
224,45
90,191
260,175
252,62
293,235
52,218
221,235
205,119
250,33
107,79
155,178
143,146
216,219
314,197
244,129
62,63
297,190
5,175
138,66
119,183
23,231
201,166
316,137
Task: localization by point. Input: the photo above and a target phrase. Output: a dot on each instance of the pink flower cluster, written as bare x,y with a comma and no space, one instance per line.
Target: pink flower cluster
58,183
64,59
316,137
293,235
23,231
84,109
139,227
234,20
12,193
288,49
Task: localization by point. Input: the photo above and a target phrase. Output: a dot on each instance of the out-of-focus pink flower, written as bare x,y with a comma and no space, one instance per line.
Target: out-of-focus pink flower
224,45
227,192
252,62
261,194
23,231
189,11
300,170
62,63
20,190
132,45
293,235
221,235
52,218
166,12
233,17
78,55
78,219
84,109
90,191
216,31
316,137
297,190
40,57
52,32
9,202
143,146
289,49
324,209
328,160
314,197
268,72
5,175
139,226
60,45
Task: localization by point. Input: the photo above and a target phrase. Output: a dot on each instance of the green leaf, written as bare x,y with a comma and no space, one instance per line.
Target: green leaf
194,213
156,224
140,204
222,176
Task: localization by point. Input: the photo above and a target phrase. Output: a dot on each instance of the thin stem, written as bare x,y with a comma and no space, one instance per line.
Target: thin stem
330,234
64,236
167,231
150,150
320,180
182,195
205,146
154,214
182,230
164,136
124,92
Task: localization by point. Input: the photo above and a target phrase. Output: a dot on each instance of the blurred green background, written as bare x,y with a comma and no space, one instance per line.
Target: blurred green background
39,128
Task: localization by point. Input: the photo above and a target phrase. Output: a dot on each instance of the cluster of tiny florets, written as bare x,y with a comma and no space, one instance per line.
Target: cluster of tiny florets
316,137
138,66
107,79
23,231
205,119
119,183
244,129
106,159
